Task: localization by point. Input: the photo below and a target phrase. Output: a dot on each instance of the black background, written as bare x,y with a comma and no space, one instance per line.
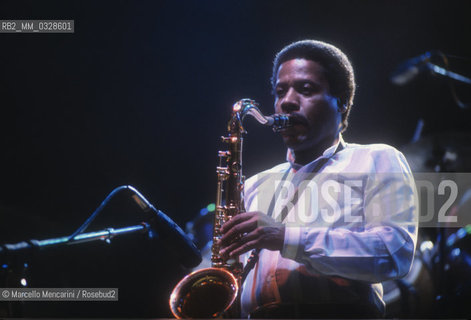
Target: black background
140,95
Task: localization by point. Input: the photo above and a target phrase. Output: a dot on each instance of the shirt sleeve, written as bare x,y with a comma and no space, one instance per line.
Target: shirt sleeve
379,248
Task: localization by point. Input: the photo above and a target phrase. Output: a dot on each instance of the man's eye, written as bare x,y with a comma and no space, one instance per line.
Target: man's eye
307,90
280,92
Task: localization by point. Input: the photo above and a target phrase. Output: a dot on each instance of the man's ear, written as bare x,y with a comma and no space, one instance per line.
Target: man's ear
341,107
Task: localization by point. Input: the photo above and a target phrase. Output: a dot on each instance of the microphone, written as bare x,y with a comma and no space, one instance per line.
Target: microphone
409,69
175,238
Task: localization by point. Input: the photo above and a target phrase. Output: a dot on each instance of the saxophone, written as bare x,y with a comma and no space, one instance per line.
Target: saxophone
211,292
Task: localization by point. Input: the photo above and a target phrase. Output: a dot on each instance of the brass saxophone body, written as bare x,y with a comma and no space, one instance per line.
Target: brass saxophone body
211,292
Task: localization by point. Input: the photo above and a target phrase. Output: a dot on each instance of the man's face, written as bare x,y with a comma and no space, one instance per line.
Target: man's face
302,90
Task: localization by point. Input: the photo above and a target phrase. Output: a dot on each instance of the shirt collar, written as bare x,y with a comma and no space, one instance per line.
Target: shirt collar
326,154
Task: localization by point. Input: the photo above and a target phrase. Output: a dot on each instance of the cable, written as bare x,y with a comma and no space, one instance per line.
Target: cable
444,57
97,211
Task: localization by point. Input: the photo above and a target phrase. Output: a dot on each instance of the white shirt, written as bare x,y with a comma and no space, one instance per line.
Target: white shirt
354,226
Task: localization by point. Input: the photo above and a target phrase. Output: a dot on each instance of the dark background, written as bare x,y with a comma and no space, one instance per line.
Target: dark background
140,95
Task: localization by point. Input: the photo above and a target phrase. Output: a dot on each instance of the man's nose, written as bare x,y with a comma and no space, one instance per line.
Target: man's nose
290,101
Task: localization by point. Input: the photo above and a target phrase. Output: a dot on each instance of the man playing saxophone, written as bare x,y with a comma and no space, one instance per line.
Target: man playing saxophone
337,218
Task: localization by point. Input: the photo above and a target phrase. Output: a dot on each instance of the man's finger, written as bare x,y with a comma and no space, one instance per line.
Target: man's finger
244,248
236,230
235,220
248,237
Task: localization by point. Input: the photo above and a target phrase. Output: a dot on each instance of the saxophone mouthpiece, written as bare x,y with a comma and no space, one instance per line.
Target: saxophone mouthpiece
279,121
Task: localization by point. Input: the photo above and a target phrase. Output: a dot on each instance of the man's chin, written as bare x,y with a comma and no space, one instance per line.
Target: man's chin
293,142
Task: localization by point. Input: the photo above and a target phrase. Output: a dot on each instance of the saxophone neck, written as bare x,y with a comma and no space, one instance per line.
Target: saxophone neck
249,107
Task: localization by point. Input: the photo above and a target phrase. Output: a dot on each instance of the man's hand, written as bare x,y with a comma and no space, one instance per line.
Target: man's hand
255,230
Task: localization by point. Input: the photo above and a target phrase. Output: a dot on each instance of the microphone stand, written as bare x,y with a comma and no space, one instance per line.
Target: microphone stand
13,257
434,69
6,250
159,224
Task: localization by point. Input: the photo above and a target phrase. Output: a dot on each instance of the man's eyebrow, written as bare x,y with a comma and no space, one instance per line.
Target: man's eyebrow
279,85
298,82
307,80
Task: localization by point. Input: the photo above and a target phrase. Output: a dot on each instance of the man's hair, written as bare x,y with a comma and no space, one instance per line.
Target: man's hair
338,69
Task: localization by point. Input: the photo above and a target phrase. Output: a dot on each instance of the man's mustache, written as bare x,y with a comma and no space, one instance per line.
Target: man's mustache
296,118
